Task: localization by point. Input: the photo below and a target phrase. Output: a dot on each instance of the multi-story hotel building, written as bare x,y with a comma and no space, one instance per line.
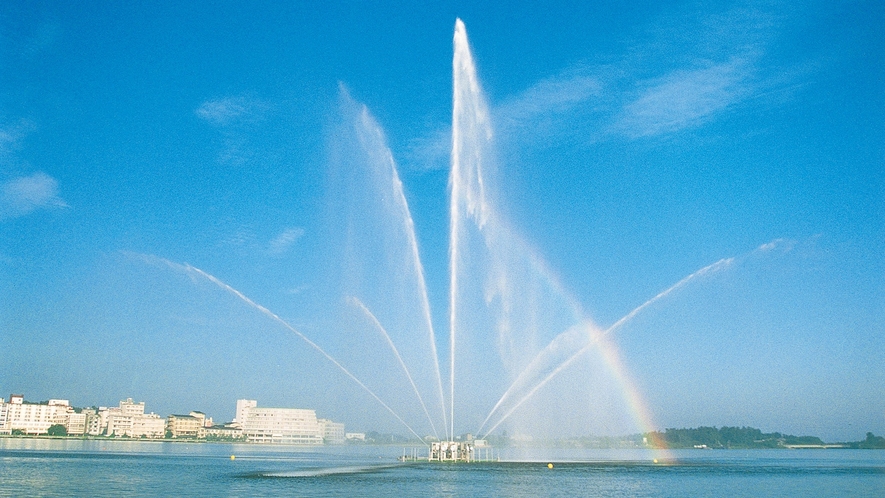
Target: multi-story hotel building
32,418
130,420
192,425
333,432
93,421
280,425
76,423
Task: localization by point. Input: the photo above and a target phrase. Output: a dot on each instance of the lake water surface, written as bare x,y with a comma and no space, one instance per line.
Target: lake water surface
42,467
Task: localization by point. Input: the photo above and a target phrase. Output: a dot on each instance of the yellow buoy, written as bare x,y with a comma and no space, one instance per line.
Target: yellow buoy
233,457
549,465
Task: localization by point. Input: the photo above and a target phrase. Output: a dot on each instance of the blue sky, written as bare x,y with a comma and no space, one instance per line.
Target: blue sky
633,146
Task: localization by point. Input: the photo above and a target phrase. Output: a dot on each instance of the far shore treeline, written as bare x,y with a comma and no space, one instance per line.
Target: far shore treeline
749,438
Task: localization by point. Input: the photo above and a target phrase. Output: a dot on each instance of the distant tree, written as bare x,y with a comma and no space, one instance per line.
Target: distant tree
872,442
57,430
725,437
810,440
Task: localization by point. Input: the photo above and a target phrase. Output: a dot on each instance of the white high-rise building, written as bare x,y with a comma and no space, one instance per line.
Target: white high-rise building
243,405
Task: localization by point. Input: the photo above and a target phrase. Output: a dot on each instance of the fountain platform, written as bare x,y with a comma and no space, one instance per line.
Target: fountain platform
452,452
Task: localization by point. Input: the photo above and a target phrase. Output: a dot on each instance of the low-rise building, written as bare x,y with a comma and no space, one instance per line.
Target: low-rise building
355,436
229,431
149,425
187,426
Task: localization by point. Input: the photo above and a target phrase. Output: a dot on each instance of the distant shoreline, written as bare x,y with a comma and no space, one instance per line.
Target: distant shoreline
824,446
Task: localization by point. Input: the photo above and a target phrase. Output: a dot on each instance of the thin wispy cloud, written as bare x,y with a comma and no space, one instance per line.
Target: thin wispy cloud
683,99
715,65
544,110
551,96
11,137
234,117
235,151
7,140
24,195
284,241
297,289
246,241
230,110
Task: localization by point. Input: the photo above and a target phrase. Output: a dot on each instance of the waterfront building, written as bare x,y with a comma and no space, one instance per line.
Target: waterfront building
75,423
103,413
129,407
130,420
191,425
284,425
149,425
243,406
32,418
93,422
226,431
333,432
3,413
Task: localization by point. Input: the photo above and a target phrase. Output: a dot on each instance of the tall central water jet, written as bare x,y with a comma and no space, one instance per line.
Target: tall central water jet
470,131
504,303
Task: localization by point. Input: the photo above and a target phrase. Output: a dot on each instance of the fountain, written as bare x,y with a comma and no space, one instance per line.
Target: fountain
504,305
512,327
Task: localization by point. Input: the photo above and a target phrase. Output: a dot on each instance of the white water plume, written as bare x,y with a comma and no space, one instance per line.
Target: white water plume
378,252
504,303
374,138
572,344
467,193
274,317
356,302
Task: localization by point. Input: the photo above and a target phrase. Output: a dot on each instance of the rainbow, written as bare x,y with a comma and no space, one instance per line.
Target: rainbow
577,341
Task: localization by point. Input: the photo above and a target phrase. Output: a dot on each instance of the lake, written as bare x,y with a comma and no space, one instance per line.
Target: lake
44,467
